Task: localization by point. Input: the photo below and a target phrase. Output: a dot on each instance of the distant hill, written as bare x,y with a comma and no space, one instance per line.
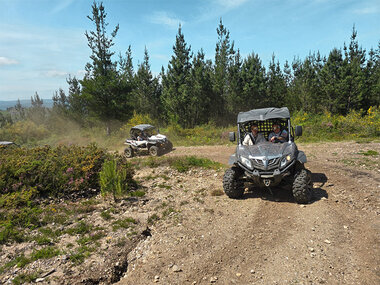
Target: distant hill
25,103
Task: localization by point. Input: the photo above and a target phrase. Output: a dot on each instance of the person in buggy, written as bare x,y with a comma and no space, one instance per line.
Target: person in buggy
142,136
278,135
254,137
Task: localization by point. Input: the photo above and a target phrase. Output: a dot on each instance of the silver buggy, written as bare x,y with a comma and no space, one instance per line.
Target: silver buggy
267,164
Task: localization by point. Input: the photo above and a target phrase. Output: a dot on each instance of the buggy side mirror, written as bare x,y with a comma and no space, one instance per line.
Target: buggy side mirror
298,131
231,136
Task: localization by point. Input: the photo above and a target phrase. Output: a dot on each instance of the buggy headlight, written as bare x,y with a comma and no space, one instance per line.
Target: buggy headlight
285,160
246,162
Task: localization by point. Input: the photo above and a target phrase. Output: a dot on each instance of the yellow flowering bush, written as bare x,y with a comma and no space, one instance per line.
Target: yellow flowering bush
326,126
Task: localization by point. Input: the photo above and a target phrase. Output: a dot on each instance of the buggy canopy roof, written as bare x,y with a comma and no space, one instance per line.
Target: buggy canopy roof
142,127
263,114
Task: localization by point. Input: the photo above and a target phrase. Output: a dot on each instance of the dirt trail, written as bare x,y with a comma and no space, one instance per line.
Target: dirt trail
264,239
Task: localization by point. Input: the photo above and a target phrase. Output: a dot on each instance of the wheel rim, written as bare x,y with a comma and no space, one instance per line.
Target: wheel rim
128,152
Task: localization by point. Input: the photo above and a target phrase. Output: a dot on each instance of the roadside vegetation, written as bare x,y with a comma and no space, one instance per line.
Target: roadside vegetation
50,198
357,126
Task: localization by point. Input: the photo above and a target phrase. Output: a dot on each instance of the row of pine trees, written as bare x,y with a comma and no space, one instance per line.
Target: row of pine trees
193,90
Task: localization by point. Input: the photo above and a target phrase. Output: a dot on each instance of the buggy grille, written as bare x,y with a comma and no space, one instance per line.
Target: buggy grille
265,164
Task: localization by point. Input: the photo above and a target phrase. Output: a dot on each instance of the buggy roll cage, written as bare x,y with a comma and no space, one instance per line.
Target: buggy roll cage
265,128
264,118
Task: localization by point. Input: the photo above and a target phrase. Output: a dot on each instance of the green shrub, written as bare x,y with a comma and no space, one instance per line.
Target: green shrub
369,153
152,219
61,171
23,132
18,199
106,215
80,229
123,223
137,193
24,278
45,253
8,232
112,180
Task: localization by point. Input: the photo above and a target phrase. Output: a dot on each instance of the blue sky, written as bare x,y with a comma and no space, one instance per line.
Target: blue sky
43,41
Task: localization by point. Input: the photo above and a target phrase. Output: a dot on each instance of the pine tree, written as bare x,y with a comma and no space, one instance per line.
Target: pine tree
254,83
126,66
224,53
372,79
276,84
106,94
176,93
20,110
200,102
147,90
331,77
60,102
36,101
37,111
353,76
234,100
77,104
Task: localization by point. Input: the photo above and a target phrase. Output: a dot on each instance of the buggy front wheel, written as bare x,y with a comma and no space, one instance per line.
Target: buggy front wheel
233,186
128,152
302,186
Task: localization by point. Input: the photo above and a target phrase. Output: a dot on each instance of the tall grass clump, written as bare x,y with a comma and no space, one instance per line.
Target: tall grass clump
113,180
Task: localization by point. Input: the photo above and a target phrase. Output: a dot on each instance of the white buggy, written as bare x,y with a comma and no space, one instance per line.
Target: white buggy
144,138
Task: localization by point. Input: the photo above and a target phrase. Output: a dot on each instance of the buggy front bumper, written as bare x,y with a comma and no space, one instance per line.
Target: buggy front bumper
267,178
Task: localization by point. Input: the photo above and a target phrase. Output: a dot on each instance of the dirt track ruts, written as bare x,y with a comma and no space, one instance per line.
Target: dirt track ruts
264,239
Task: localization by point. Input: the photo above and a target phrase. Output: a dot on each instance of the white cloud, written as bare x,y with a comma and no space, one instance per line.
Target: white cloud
63,4
163,57
80,74
55,73
230,4
163,18
7,61
367,10
217,8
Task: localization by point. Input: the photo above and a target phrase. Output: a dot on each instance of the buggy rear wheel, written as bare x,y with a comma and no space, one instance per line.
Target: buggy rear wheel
128,152
153,150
